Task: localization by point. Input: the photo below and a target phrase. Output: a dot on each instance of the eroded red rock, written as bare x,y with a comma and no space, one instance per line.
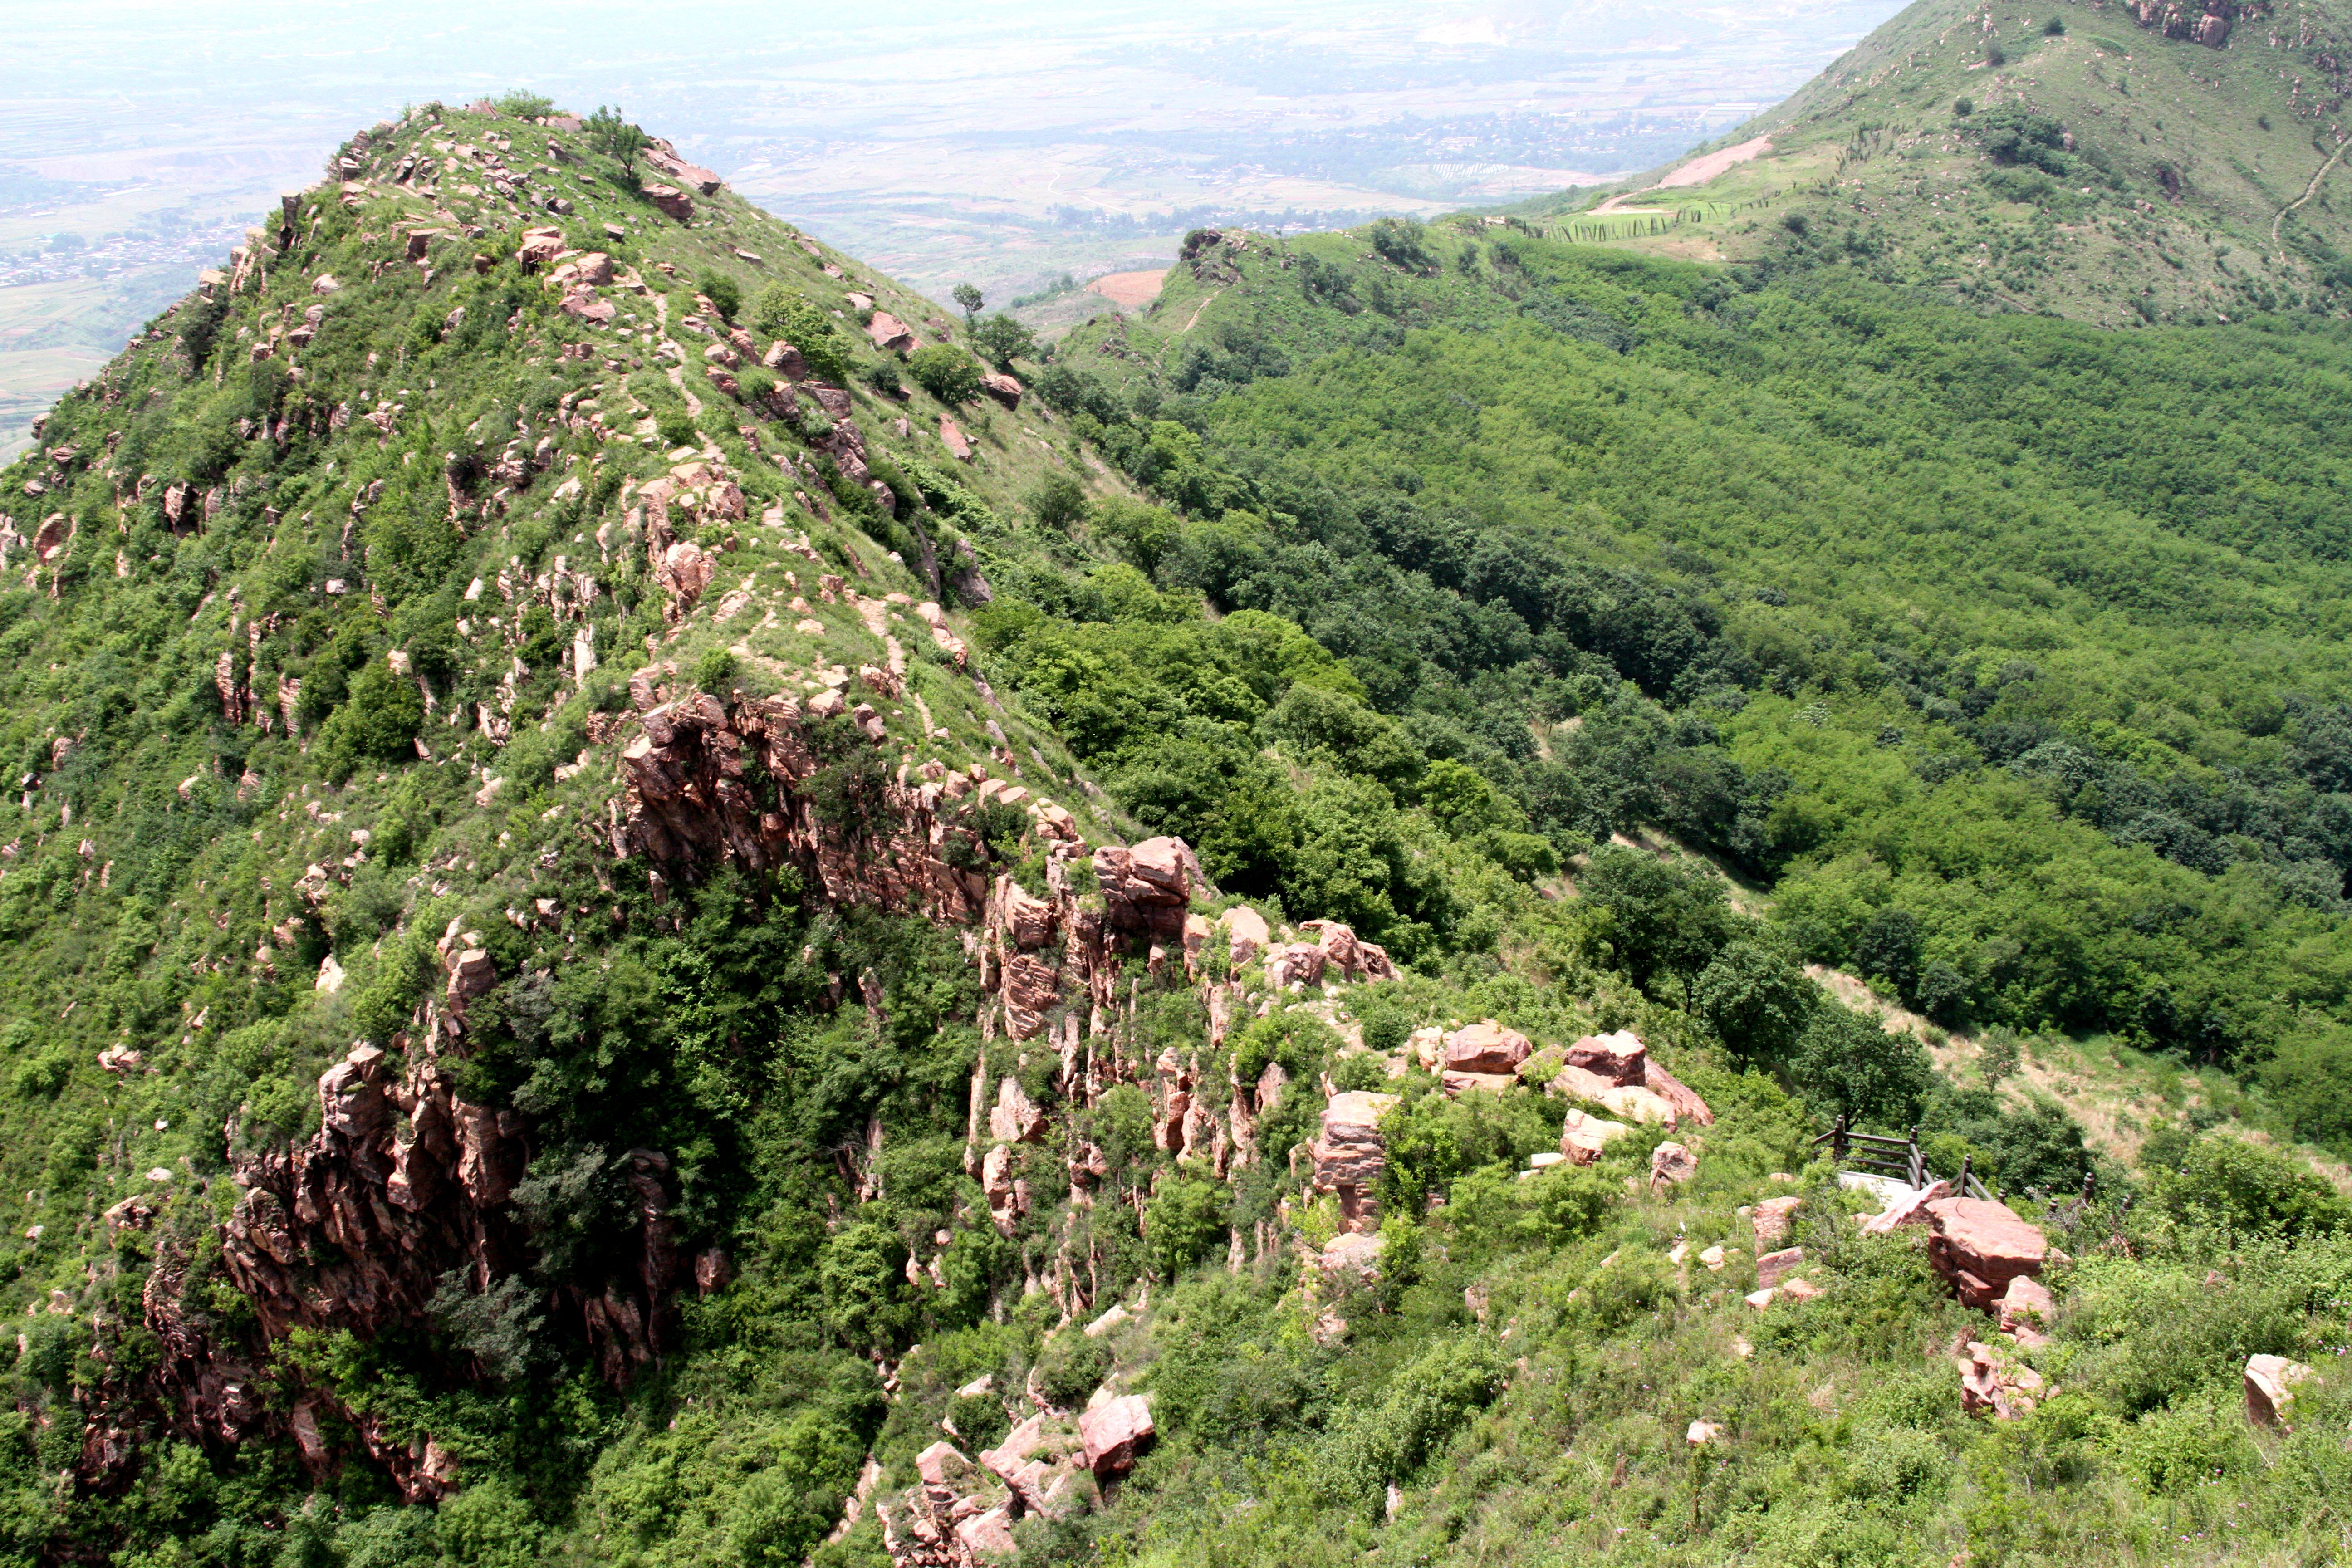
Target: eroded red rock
1349,1154
1671,1164
1771,1222
1485,1048
1979,1246
1115,1432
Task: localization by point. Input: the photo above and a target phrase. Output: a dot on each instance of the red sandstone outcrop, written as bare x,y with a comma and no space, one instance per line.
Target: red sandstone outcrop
1484,1055
2205,22
1584,1138
1771,1222
1616,1070
690,799
1979,1246
404,1184
1115,1432
1349,1154
1148,887
1671,1164
2027,1310
1911,1208
1246,934
890,334
701,180
1993,1383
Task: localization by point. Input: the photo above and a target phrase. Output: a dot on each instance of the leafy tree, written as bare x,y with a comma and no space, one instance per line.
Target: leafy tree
1404,243
1665,917
2011,133
617,139
1846,1062
1887,949
378,721
970,298
1757,1002
715,670
1001,340
1182,1221
521,105
861,1273
487,1526
946,372
1059,502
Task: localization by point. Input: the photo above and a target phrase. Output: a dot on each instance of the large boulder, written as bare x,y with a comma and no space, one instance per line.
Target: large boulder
1349,1257
2027,1308
1028,918
351,1101
1002,387
889,333
1014,1117
1001,1187
1991,1383
1771,1222
2270,1388
1030,986
1349,1154
1039,1459
1685,1101
944,1467
1115,1432
988,1537
1671,1164
1247,933
701,179
539,248
471,973
1583,1138
1486,1048
1617,1071
1148,887
671,201
1293,964
1909,1207
1619,1058
951,436
1979,1246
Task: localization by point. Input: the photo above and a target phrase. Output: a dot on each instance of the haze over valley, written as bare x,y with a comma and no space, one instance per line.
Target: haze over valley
1005,144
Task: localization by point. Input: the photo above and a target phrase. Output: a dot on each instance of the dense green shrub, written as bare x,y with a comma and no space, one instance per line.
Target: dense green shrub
946,372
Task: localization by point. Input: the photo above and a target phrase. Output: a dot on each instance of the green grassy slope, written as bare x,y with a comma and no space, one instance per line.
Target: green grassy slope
2105,172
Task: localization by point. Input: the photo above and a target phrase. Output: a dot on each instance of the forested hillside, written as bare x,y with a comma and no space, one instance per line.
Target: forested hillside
2005,650
666,909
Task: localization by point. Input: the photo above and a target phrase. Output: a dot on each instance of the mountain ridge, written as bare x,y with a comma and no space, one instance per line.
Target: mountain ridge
1094,994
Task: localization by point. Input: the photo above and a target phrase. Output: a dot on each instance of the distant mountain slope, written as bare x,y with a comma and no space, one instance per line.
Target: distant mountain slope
2112,163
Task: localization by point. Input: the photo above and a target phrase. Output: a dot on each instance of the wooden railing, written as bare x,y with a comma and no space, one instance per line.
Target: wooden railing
1903,1159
